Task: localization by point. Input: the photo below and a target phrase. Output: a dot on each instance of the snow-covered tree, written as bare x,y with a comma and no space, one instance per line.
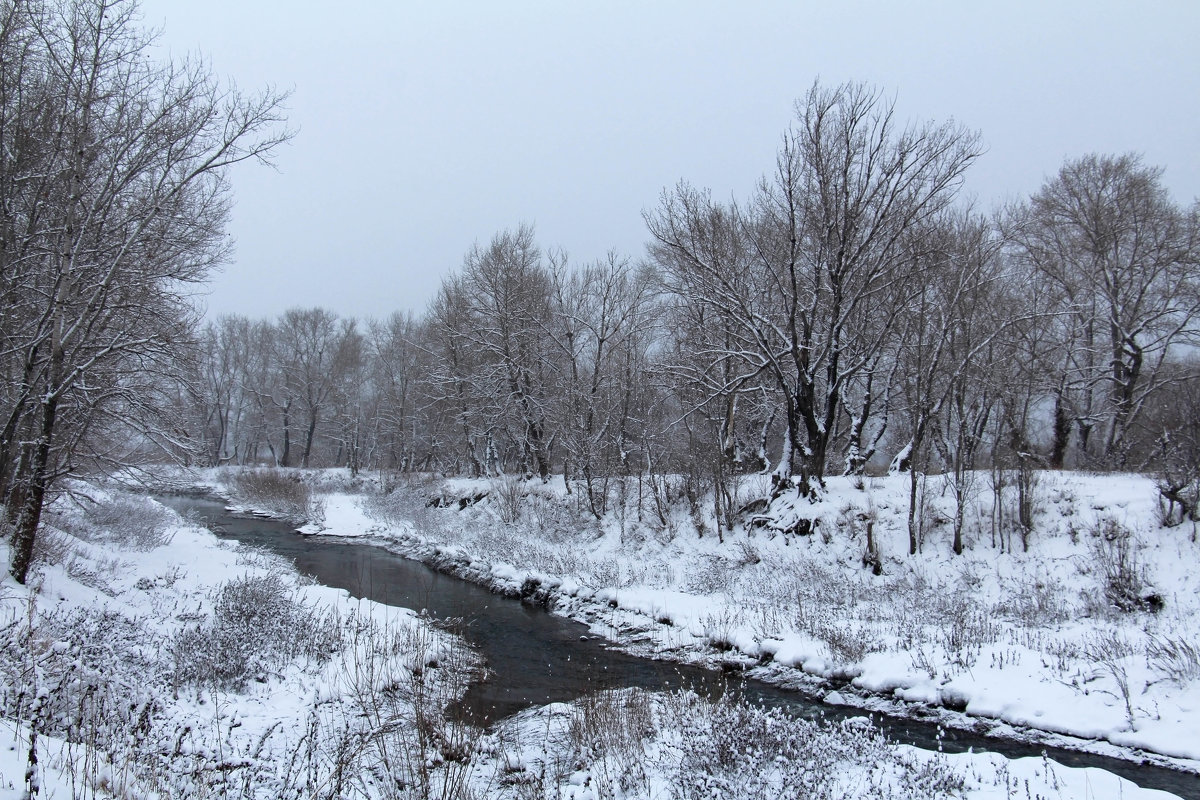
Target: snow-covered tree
1123,261
811,273
114,201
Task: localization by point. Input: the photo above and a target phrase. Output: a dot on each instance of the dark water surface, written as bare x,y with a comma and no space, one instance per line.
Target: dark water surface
535,658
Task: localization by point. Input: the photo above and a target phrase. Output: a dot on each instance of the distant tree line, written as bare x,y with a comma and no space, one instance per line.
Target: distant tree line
853,311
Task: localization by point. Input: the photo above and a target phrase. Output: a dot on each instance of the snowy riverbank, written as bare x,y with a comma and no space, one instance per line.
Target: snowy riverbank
121,653
153,660
1089,634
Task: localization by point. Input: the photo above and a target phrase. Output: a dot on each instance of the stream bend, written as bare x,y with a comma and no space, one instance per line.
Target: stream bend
535,658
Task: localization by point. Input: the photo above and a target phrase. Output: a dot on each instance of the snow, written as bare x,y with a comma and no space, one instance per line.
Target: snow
1020,643
581,753
145,599
1002,635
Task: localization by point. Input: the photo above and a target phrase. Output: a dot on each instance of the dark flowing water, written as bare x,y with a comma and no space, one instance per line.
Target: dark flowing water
535,658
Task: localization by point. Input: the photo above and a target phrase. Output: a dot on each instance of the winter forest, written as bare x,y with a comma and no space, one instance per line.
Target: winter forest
859,357
856,312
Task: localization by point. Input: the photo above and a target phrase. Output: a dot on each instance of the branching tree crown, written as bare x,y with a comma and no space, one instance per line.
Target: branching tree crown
807,279
114,198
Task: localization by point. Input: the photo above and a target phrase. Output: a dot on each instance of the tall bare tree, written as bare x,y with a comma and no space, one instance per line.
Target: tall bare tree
602,321
311,349
811,273
115,207
397,347
950,339
508,318
1104,237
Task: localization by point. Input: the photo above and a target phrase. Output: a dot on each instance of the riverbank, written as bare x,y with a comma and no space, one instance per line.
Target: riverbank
149,659
116,638
1084,640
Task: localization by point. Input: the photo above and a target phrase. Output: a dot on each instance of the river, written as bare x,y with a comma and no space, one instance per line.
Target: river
534,657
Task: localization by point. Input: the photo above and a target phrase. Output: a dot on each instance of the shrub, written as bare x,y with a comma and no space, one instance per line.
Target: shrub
509,494
965,628
1177,659
397,506
130,522
274,491
1110,651
52,547
848,643
732,749
1122,575
138,523
1036,601
609,731
257,627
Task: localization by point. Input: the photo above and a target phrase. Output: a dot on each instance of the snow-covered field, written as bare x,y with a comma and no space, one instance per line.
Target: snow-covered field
155,660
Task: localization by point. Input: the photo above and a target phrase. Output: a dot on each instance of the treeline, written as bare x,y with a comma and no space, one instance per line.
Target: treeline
853,311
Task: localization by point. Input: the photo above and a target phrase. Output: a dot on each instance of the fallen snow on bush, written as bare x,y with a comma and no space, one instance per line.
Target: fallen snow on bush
632,745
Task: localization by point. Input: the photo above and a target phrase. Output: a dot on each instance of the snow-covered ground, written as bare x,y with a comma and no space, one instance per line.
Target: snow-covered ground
154,660
598,748
1090,633
122,650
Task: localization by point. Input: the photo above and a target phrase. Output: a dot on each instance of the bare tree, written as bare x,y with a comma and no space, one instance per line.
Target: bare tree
452,388
601,324
218,388
309,346
812,271
120,201
508,317
397,349
951,341
1122,258
351,401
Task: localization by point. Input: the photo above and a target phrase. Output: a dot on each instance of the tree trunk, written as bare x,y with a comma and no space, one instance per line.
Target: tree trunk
308,437
35,494
913,539
285,456
1062,431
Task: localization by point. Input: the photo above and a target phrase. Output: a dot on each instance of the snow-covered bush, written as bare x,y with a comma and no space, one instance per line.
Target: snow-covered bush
399,506
965,628
633,743
848,642
1121,573
274,491
392,735
64,663
336,480
52,546
610,731
735,750
508,494
137,523
1112,652
1036,601
1174,657
257,627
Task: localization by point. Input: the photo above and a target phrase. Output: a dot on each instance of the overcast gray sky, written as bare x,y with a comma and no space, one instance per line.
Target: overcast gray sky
424,127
